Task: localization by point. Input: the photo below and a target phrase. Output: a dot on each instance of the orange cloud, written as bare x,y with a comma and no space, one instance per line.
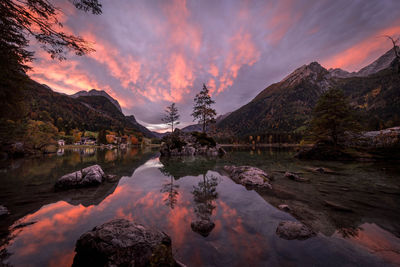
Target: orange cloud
122,67
181,31
284,16
213,70
243,52
180,76
362,53
67,77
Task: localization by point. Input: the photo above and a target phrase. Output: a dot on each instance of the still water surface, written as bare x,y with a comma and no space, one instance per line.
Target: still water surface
171,194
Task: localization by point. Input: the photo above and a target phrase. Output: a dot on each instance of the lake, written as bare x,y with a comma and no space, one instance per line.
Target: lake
44,224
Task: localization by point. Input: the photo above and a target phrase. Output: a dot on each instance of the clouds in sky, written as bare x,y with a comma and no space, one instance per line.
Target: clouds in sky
151,53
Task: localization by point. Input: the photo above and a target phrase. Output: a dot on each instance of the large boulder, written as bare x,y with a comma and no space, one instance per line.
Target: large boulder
294,230
249,176
295,177
124,243
89,176
181,143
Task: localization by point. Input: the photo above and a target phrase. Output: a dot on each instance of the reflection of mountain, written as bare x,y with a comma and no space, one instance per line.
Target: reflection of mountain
186,166
30,185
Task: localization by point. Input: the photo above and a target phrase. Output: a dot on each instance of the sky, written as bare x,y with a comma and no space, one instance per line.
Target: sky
151,53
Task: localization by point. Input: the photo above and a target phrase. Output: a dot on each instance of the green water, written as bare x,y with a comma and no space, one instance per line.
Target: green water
43,224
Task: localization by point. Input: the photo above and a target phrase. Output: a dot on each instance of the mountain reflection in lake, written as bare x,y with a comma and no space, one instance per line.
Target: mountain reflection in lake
175,195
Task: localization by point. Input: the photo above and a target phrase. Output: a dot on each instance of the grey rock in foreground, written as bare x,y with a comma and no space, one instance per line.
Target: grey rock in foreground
124,243
89,176
202,227
294,230
3,211
249,176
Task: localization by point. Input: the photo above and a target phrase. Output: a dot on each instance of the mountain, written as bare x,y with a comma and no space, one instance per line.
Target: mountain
286,106
160,135
381,63
95,92
140,127
93,111
199,127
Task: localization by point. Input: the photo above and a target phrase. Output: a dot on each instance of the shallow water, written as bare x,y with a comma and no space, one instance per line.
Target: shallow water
171,194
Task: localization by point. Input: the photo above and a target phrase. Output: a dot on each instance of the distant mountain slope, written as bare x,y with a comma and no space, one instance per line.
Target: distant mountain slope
140,127
199,127
95,92
286,106
83,112
381,63
283,106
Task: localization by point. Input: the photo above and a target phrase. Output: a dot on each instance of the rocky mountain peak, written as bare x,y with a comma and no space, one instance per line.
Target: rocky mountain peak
313,72
339,73
381,63
95,92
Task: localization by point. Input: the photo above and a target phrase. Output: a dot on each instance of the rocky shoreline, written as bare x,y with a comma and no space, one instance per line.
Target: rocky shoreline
180,143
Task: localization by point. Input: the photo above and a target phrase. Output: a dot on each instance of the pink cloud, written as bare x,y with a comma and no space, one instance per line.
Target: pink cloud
364,52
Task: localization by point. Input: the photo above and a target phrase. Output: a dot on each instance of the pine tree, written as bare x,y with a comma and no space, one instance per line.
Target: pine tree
171,117
101,138
332,117
202,110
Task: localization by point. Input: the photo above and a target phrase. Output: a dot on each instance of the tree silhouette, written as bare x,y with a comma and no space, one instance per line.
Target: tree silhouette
171,117
332,117
202,111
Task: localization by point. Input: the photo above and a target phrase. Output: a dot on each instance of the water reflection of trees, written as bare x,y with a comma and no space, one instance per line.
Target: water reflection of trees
204,196
171,191
188,166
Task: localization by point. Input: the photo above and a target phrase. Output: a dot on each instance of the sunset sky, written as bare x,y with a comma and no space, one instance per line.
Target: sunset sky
151,53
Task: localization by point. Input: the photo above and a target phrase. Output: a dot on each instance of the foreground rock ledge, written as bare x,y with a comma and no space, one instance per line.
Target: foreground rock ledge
294,230
90,176
249,176
124,243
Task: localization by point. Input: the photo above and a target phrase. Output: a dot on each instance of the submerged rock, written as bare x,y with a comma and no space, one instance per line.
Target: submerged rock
180,143
294,230
3,211
294,177
284,207
203,227
321,170
89,176
321,151
249,176
336,206
124,243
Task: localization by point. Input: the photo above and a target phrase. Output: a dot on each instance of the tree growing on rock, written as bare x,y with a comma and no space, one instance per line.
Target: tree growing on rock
332,117
172,116
202,110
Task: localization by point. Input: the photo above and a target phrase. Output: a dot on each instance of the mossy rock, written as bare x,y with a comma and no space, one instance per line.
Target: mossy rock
204,139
